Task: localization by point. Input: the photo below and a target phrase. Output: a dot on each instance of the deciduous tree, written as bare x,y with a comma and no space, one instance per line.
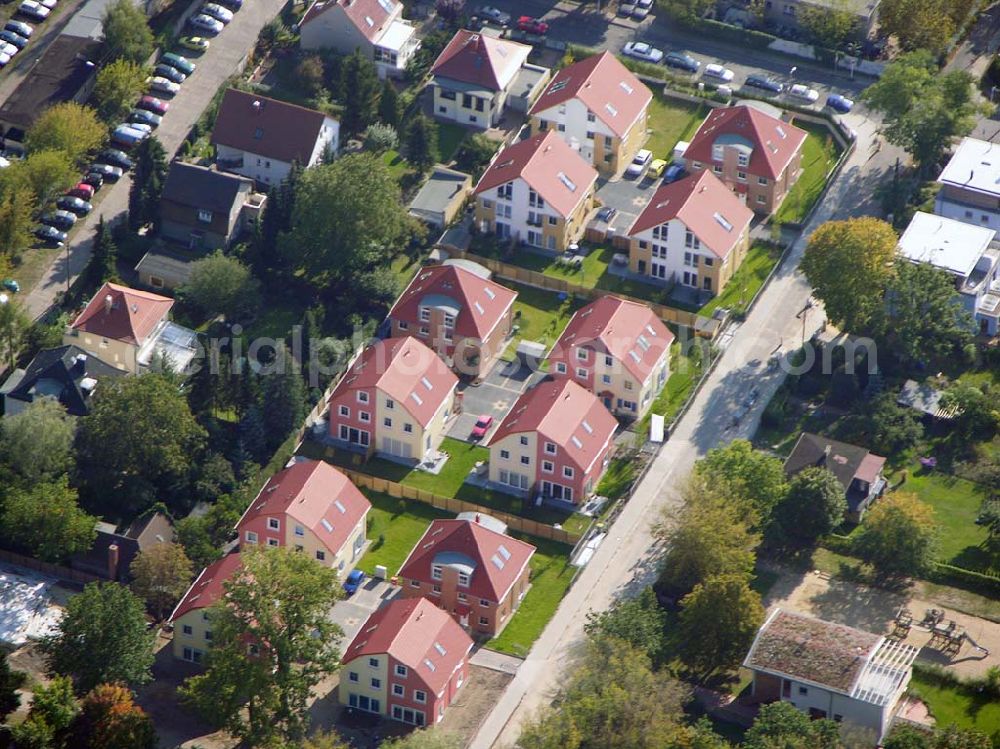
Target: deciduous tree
781,724
160,576
891,428
380,138
899,536
37,443
103,638
751,477
126,33
639,621
814,506
53,709
10,682
118,85
848,265
221,284
977,415
13,326
718,622
69,127
47,174
110,719
828,26
278,603
46,521
17,207
923,24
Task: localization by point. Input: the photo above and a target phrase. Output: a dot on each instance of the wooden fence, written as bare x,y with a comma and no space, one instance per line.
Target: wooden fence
64,574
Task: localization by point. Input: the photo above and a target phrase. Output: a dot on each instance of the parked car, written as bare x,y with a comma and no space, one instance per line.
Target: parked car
171,74
145,117
21,28
642,51
143,126
532,25
714,70
223,15
638,165
128,136
606,214
626,8
482,426
60,219
674,172
161,85
803,92
79,206
839,103
642,9
194,43
12,37
494,15
178,61
764,83
115,158
656,168
355,579
681,61
93,178
9,284
33,10
234,4
50,4
82,190
50,234
5,55
205,23
151,103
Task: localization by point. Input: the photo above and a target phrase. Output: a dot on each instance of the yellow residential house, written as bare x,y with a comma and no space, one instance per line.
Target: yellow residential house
190,618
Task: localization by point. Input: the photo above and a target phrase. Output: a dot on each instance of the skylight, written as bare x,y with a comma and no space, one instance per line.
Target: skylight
558,86
643,343
386,5
649,329
635,357
369,21
723,222
258,133
479,308
326,525
431,666
504,553
781,132
417,398
497,562
586,427
576,441
490,293
440,648
567,181
626,88
611,110
426,383
340,506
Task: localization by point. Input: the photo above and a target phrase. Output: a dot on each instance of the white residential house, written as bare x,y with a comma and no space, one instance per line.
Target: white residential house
970,185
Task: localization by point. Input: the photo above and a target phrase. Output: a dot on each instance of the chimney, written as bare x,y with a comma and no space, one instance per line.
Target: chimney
478,519
108,302
113,562
257,105
825,456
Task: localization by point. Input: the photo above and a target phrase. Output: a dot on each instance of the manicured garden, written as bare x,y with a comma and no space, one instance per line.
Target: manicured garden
450,137
746,282
540,315
819,154
462,457
671,120
685,370
965,707
394,527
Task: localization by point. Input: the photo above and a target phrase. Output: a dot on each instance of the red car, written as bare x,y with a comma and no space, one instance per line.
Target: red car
152,104
82,191
482,426
532,25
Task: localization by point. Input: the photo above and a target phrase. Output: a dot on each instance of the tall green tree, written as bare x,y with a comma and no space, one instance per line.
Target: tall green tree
103,638
422,142
891,429
285,397
10,682
848,263
923,24
781,724
899,536
361,93
203,537
977,415
750,477
147,185
138,442
102,265
69,127
828,26
17,207
639,621
36,444
126,33
13,326
110,719
118,85
46,521
388,105
718,622
53,709
814,506
47,174
279,601
221,284
276,220
160,576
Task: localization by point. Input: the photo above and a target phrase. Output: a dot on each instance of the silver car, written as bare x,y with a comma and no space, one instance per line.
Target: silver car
217,12
205,23
162,85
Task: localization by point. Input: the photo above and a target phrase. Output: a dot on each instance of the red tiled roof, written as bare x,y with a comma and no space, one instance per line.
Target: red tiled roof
208,586
605,86
628,331
481,303
368,16
480,60
123,314
415,632
564,413
407,371
706,207
549,166
268,127
774,142
497,560
316,495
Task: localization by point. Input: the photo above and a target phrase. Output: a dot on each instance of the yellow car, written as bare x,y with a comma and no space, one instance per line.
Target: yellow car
656,168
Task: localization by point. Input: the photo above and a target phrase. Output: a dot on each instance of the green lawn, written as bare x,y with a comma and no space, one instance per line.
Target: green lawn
684,373
400,523
746,282
819,154
539,315
463,456
669,121
965,708
398,166
551,574
450,137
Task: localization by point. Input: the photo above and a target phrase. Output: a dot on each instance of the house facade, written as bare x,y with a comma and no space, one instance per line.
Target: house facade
397,398
789,13
469,567
694,232
261,138
970,185
376,27
406,663
618,350
555,441
459,311
190,618
858,470
599,107
966,252
313,508
67,374
476,75
539,191
754,153
205,209
831,671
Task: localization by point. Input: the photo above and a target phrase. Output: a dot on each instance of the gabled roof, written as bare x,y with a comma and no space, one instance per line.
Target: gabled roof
123,314
480,60
314,494
774,142
845,461
267,127
417,634
407,371
605,86
704,205
208,586
496,560
480,302
564,413
628,331
195,186
67,373
370,17
548,165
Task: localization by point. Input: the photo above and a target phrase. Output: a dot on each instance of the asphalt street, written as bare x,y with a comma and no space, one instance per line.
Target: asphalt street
213,68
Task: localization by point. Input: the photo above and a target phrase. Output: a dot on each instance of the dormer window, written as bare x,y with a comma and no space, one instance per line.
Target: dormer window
463,579
425,314
204,216
743,159
436,572
717,153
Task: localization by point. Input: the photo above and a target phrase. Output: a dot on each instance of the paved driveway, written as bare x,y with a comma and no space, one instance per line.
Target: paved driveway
628,196
352,612
495,395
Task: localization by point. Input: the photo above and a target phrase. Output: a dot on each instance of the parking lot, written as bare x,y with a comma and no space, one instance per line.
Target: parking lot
352,612
628,197
495,395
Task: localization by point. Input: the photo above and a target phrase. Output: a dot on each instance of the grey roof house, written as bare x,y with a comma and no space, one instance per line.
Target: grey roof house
858,470
442,197
115,548
67,373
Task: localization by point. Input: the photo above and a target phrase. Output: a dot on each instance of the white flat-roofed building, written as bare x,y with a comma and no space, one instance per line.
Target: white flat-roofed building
970,185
